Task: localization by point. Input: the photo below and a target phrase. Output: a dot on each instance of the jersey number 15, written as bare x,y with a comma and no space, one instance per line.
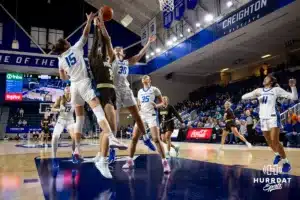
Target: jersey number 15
71,60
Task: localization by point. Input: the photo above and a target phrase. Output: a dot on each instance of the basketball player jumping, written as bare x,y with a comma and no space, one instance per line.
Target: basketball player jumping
231,126
167,115
146,98
65,120
72,66
124,94
270,117
103,77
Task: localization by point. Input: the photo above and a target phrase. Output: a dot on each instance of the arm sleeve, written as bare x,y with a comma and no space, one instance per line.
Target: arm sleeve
81,42
288,95
174,111
250,95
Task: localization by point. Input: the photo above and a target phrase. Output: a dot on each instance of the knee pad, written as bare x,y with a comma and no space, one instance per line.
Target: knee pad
99,113
78,126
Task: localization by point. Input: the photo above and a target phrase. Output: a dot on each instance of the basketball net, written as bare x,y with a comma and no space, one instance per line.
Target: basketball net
166,5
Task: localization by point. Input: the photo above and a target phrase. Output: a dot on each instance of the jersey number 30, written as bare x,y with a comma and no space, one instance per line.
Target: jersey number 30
122,70
71,60
145,99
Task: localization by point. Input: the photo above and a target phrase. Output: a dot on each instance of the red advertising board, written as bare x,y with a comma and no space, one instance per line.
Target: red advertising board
199,133
13,97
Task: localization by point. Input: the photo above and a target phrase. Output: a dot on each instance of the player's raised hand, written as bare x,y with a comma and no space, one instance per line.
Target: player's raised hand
292,82
90,17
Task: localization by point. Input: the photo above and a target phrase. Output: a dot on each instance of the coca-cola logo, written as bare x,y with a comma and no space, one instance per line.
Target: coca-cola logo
198,133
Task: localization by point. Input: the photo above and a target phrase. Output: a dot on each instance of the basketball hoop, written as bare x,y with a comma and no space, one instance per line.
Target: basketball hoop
166,5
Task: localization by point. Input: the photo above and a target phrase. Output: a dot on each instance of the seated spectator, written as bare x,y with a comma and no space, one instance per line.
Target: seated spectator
293,135
21,112
209,123
24,123
20,123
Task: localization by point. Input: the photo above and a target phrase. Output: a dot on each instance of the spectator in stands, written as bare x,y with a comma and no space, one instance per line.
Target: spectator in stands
24,123
21,112
294,138
209,123
289,129
250,124
20,123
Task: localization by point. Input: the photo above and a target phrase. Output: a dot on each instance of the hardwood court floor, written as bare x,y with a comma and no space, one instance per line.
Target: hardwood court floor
19,177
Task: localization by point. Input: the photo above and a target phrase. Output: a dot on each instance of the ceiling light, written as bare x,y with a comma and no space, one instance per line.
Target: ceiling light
198,25
169,43
225,69
158,50
147,56
229,4
15,44
266,56
189,30
152,54
126,20
209,18
174,39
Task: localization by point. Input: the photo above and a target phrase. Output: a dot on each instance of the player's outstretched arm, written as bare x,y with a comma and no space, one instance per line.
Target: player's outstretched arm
289,95
133,60
176,114
107,38
251,95
82,41
95,45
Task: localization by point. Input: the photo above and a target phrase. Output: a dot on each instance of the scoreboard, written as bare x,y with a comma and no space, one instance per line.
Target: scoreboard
14,87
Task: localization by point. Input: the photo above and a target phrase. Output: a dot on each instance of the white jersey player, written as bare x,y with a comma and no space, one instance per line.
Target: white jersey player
72,66
147,96
124,94
65,121
270,117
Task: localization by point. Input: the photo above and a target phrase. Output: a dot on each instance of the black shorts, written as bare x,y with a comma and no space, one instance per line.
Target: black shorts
229,125
107,96
168,126
35,136
46,130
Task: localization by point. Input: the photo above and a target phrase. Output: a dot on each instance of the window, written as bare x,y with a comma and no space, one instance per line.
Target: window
54,35
90,42
1,32
40,36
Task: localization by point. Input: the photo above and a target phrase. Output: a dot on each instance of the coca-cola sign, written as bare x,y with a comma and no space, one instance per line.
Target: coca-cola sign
199,134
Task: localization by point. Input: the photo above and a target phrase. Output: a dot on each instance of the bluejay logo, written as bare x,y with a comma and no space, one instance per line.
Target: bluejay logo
272,180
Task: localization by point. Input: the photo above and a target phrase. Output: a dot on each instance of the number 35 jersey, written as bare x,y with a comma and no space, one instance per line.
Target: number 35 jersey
146,99
120,73
73,63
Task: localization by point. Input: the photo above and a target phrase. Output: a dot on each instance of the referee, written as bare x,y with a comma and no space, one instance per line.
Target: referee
250,124
167,114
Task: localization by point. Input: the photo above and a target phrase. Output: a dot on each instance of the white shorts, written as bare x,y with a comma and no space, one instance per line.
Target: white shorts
150,120
125,98
81,92
268,124
61,124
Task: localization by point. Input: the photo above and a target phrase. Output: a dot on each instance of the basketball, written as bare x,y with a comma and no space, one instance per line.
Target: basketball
108,13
